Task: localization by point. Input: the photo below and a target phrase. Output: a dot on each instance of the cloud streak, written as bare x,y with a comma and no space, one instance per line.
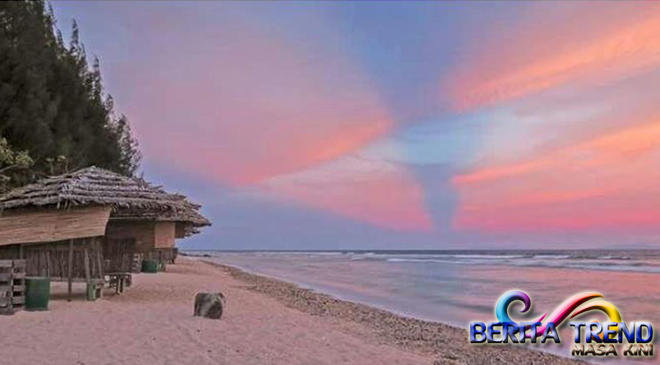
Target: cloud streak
381,193
513,68
607,181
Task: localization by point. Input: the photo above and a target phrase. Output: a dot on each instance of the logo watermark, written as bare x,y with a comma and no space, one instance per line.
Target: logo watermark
613,337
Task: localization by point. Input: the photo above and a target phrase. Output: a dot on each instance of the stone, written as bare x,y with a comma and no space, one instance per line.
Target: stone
209,305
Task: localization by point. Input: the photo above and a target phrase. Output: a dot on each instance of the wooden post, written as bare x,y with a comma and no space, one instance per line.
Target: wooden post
99,263
49,270
70,269
88,276
99,258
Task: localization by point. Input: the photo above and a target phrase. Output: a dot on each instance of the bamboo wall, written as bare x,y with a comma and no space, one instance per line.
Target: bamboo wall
52,225
147,235
118,254
52,259
162,255
142,232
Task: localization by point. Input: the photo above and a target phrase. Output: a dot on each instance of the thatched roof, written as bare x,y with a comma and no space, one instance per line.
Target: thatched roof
185,212
129,197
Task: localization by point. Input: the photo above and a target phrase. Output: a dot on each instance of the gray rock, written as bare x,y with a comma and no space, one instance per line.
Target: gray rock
209,305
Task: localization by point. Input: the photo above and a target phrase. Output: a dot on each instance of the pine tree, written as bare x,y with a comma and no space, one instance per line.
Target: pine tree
52,103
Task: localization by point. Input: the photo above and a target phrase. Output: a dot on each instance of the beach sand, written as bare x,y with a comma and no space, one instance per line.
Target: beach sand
265,322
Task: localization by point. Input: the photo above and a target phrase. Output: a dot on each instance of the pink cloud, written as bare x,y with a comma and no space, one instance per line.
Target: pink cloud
380,193
239,103
606,181
551,48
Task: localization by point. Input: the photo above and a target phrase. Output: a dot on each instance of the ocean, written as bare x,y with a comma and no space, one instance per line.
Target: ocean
457,287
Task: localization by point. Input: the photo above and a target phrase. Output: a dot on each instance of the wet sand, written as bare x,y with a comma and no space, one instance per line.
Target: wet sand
445,344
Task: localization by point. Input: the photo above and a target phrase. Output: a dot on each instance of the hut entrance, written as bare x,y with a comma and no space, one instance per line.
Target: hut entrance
119,254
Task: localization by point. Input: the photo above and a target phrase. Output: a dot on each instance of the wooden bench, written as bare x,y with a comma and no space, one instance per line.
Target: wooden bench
94,286
118,280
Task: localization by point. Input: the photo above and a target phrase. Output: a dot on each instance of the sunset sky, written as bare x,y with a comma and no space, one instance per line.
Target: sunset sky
393,125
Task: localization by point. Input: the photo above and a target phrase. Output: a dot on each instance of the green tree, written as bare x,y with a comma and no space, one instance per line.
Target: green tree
52,102
11,160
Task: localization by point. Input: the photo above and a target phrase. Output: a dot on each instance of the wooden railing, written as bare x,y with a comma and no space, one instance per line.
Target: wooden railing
12,285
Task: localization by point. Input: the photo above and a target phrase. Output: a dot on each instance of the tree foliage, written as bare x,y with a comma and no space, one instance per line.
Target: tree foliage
11,160
52,104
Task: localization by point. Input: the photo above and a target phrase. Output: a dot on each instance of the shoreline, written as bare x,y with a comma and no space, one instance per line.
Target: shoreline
446,343
266,321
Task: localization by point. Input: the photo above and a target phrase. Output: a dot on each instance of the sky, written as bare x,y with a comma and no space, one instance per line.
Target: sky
393,125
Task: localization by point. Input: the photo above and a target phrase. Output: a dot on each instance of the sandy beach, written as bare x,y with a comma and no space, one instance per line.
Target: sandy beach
266,322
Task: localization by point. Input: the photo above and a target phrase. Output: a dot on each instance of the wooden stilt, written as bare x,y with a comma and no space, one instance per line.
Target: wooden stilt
70,269
88,276
99,258
48,268
99,264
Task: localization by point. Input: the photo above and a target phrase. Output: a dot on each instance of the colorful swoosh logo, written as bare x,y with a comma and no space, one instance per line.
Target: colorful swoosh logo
562,312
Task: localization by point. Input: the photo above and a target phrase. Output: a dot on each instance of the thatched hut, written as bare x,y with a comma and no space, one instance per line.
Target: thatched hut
149,233
82,224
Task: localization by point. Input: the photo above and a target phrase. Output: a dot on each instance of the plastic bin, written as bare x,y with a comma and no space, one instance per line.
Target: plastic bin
37,293
150,266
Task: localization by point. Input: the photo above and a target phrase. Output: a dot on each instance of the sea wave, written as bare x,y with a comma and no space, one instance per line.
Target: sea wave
624,261
578,261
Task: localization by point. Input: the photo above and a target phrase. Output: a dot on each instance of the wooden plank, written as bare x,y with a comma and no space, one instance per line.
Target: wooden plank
20,263
19,275
5,277
10,294
5,288
74,280
70,270
18,300
18,288
6,263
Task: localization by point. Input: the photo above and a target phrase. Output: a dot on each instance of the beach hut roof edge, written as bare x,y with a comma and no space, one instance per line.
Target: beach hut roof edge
129,198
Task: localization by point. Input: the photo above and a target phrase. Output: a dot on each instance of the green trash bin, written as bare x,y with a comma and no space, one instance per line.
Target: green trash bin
37,293
150,266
